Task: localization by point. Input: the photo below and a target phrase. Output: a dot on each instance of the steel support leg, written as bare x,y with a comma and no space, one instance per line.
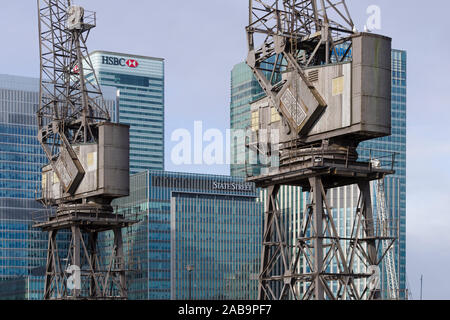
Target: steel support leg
51,272
120,261
94,290
364,187
318,216
268,238
76,258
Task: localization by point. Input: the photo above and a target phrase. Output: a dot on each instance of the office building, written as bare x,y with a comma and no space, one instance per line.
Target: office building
23,249
244,90
198,236
396,144
22,288
140,82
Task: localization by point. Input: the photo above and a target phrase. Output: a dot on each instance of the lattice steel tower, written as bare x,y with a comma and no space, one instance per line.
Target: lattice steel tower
331,88
88,161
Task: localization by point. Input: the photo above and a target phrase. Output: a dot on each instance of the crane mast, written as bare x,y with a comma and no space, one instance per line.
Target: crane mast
88,161
70,106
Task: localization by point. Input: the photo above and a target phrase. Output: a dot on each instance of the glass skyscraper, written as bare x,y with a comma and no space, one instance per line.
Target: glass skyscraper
396,143
23,249
245,89
198,236
140,83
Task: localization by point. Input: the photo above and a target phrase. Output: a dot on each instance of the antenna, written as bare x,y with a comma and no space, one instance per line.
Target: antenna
421,287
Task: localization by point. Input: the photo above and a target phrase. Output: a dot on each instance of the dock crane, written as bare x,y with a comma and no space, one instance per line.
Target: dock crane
88,162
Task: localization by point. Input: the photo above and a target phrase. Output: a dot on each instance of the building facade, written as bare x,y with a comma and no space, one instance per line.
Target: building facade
198,236
140,84
245,89
23,249
396,144
22,288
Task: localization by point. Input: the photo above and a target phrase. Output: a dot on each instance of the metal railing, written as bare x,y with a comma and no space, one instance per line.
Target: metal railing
319,155
50,213
43,215
378,159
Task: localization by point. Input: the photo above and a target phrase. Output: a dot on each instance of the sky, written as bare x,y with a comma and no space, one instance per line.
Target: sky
201,41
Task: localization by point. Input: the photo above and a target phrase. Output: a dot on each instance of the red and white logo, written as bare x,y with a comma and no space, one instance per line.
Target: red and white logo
76,69
132,63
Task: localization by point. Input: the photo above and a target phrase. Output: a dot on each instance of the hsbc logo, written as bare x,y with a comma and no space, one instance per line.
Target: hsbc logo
113,61
132,63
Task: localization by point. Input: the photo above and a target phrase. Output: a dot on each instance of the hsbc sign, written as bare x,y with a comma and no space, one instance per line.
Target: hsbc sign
132,63
114,61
